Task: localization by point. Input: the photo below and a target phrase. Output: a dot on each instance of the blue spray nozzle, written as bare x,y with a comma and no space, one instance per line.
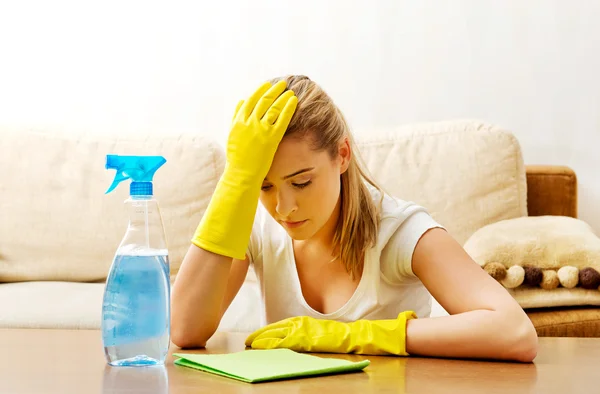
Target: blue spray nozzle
136,168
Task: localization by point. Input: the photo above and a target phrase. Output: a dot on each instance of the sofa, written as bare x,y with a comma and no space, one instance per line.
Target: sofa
59,230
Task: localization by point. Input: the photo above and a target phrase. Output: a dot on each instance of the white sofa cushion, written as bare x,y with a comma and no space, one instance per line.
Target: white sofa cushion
75,305
57,224
467,174
68,305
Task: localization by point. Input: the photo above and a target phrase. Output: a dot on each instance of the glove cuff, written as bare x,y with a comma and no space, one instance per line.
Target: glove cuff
226,225
381,337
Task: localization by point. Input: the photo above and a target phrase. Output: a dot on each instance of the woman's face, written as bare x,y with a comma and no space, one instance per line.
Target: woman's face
302,188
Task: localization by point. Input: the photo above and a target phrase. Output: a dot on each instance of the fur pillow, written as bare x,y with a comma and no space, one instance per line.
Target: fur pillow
542,260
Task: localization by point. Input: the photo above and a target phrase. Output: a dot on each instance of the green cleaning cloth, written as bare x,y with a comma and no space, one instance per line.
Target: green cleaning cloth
254,366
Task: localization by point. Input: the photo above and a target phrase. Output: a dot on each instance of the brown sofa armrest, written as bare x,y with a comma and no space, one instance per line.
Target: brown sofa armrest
551,190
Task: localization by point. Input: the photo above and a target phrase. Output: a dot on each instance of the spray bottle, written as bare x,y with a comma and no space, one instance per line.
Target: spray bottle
136,305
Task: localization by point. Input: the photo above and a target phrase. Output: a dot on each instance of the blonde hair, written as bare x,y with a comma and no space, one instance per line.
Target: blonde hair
320,119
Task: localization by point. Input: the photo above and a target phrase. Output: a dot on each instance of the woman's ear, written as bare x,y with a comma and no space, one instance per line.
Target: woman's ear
344,155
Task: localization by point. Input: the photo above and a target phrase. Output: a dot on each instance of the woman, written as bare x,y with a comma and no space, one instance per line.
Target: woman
343,266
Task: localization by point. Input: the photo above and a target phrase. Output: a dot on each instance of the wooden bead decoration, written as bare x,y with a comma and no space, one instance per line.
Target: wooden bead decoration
495,270
549,280
533,276
568,276
589,278
514,277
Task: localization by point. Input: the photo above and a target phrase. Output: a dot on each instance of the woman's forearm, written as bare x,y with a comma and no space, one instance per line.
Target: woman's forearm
483,334
197,297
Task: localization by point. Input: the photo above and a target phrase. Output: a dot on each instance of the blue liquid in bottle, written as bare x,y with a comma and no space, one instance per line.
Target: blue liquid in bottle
136,311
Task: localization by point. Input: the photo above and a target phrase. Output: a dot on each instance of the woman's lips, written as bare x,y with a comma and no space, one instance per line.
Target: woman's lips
293,224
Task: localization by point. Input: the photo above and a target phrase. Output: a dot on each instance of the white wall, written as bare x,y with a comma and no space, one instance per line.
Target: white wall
530,66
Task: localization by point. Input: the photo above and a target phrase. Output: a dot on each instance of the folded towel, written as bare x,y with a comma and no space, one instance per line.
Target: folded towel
254,366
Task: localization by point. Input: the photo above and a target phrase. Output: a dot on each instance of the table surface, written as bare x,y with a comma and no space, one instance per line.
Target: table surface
72,361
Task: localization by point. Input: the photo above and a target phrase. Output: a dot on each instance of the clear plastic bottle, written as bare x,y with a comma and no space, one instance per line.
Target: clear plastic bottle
136,305
151,379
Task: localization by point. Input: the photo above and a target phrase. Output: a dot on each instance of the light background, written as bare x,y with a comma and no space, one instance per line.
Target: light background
532,67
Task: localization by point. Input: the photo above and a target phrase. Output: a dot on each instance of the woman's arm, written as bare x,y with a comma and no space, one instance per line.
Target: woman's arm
484,322
210,277
205,286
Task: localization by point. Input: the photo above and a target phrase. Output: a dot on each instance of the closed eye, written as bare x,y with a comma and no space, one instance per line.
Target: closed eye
302,185
266,188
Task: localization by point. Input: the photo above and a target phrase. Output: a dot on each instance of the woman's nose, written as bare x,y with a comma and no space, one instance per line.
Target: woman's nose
286,205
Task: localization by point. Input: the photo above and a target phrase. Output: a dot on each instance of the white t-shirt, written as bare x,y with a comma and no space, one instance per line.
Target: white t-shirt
387,287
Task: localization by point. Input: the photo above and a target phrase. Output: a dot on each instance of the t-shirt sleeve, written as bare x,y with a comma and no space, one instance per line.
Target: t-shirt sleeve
396,256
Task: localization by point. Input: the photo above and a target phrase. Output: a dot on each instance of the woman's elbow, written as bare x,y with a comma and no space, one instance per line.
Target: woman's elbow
183,337
525,342
184,340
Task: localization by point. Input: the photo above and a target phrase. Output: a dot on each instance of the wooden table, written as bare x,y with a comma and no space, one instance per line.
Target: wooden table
64,361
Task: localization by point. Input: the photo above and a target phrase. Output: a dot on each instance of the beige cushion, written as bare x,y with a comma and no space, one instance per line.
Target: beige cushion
72,305
57,224
467,174
65,305
546,243
77,228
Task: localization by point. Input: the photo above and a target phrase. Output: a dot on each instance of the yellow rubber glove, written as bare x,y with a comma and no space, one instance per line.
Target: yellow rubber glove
306,334
257,129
